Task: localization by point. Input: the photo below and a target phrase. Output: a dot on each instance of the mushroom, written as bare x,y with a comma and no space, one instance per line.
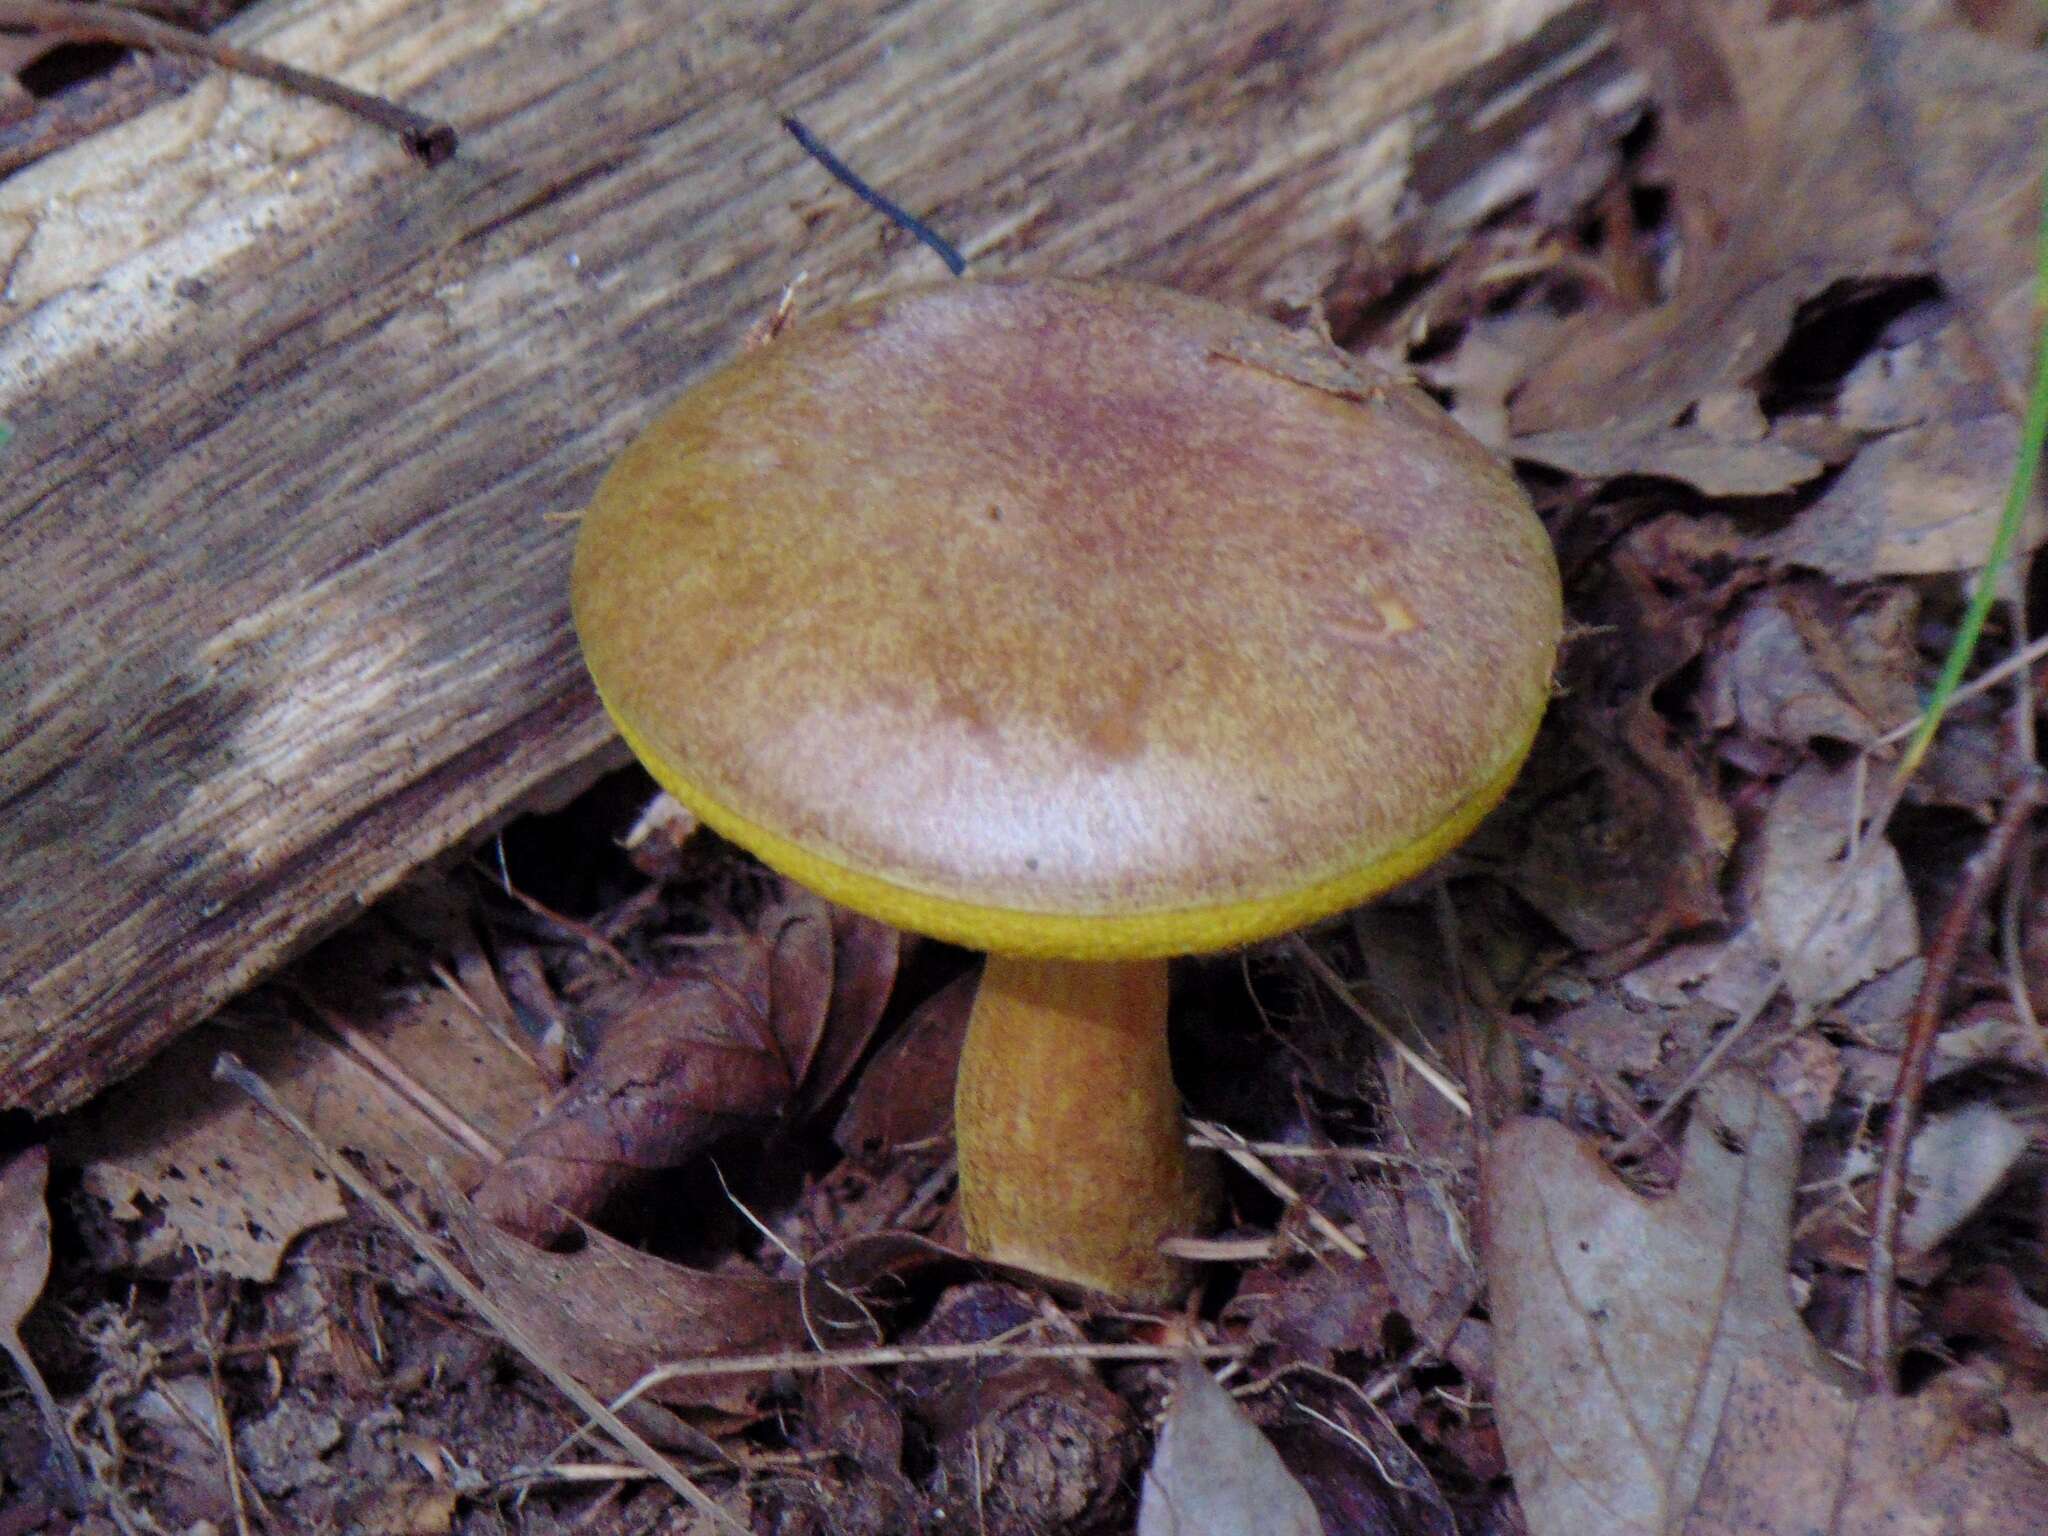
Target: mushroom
1086,624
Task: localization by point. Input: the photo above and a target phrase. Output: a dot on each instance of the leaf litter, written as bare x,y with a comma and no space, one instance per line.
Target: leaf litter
1761,360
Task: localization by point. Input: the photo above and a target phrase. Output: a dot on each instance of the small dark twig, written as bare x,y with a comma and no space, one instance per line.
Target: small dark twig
845,175
426,139
1921,1028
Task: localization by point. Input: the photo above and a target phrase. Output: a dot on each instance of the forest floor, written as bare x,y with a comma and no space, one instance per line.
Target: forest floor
1554,1180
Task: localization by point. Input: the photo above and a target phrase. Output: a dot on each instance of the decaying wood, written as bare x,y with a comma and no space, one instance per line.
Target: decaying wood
296,423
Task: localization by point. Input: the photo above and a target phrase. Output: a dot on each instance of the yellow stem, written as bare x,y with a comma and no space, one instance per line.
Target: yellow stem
1073,1155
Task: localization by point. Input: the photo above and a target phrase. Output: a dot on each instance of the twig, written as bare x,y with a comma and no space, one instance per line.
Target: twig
918,1354
1288,1150
1428,1072
228,1067
1990,677
62,1449
1223,1250
844,174
426,139
382,1066
1921,1028
2019,880
222,1428
1478,1081
582,932
1234,1148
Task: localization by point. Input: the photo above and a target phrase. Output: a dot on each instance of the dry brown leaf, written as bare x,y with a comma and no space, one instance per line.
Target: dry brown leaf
1710,465
734,1040
865,955
179,1161
1627,840
1992,1306
1970,118
1620,1321
1865,156
1214,1474
906,1093
1486,368
1798,1456
1917,502
1805,841
1803,662
611,1313
24,1237
405,1508
1815,203
1311,1308
1957,1161
24,1267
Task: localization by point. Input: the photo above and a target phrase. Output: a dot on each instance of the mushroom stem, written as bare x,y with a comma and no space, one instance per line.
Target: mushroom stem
1073,1155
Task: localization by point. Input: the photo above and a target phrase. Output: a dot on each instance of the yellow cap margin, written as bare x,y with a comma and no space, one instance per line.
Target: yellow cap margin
1082,935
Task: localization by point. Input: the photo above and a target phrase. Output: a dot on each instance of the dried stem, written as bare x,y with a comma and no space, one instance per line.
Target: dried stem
426,139
1408,1055
1239,1152
1921,1028
223,1426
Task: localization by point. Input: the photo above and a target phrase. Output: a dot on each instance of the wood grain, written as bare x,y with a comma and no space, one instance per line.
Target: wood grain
296,423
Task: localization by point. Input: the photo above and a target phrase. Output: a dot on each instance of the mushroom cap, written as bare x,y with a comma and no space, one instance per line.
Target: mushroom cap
1070,618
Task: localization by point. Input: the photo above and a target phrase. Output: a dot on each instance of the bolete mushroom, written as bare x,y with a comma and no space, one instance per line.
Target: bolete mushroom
1086,624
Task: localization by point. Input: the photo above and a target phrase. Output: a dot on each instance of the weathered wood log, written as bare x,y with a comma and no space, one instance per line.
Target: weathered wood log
297,423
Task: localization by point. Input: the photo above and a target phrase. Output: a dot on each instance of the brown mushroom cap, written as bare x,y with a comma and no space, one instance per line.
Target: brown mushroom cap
1070,618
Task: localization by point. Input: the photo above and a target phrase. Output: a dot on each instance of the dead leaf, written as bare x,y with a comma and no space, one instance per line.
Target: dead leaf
289,1447
182,1162
1979,171
1993,1306
730,1042
1311,1308
1803,662
1860,165
1816,205
1798,1455
1710,465
1214,1474
611,1313
1363,1477
1806,1072
1805,841
24,1238
1957,1161
1415,1230
906,1093
24,1267
404,1509
1916,502
800,935
1620,1321
865,956
1486,368
1625,840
